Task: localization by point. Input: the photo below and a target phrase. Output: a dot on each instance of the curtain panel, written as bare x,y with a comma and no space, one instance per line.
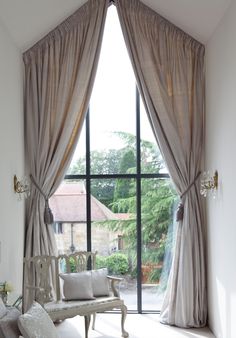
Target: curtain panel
169,69
59,75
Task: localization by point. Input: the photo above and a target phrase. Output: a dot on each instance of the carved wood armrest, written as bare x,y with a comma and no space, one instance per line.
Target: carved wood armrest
113,281
34,287
39,292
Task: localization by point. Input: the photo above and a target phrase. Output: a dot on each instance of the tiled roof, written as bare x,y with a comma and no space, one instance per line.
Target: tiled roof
68,205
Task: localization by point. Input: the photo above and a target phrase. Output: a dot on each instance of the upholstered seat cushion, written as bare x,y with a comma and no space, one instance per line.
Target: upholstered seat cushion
59,310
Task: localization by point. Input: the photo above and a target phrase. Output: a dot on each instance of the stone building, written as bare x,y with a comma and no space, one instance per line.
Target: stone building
70,213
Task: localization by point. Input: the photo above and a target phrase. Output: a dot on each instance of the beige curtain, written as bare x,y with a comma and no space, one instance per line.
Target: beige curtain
169,68
59,75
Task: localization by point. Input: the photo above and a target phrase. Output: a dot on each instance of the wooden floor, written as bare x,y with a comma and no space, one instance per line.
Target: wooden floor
138,326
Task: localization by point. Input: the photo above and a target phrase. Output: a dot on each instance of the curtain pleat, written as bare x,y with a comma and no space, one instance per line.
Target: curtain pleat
169,69
59,75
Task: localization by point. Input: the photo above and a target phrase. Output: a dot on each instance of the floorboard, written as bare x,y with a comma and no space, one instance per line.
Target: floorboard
138,326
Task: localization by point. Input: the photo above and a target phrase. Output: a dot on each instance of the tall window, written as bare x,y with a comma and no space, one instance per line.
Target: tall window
117,197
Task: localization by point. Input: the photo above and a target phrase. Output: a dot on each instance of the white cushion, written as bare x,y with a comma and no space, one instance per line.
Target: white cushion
3,309
100,282
36,323
77,285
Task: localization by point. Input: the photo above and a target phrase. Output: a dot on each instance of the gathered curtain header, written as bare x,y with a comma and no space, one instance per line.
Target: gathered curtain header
154,20
155,24
77,19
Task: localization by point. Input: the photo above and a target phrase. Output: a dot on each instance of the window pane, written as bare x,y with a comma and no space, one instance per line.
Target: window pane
114,232
68,205
112,105
158,198
78,163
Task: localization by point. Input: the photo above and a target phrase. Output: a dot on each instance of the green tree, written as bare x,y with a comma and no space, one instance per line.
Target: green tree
157,200
102,162
158,195
123,186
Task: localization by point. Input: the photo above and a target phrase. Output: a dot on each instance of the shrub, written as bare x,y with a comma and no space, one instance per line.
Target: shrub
155,275
72,264
101,262
117,263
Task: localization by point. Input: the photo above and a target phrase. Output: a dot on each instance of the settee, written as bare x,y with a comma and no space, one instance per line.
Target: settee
70,285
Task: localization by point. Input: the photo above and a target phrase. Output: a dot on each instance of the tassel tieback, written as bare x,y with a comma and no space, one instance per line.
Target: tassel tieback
180,212
180,209
48,215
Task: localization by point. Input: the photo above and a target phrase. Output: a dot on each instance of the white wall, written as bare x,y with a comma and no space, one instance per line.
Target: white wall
11,161
221,155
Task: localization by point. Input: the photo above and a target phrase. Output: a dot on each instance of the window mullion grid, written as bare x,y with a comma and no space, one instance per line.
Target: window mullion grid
88,184
137,177
138,205
108,176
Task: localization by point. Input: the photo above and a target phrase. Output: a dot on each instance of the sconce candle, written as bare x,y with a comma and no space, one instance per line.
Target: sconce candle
209,184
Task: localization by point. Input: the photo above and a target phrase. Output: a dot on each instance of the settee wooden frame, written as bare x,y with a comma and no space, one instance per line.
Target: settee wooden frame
45,271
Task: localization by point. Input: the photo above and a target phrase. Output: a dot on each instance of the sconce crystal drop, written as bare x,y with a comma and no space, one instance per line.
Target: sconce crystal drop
209,184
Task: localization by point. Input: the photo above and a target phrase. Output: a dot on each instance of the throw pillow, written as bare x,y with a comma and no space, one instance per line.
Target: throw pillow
36,323
8,323
100,282
77,285
3,309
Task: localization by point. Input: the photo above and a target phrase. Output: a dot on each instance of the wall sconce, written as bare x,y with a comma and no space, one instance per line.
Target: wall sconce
22,188
209,183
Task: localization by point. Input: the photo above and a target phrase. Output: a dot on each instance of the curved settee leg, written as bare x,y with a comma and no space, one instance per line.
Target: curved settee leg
123,316
87,322
94,318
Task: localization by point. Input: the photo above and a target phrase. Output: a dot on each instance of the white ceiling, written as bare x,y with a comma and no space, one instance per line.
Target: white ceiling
29,20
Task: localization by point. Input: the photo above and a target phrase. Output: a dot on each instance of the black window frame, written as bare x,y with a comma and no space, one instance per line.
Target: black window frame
138,176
